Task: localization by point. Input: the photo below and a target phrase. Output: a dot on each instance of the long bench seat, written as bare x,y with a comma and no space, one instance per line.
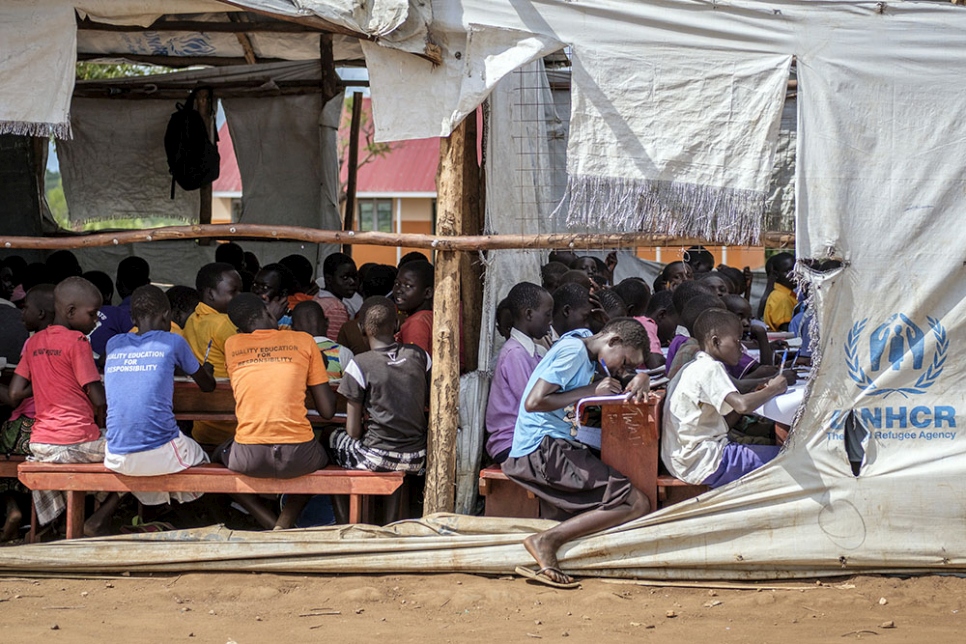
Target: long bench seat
76,479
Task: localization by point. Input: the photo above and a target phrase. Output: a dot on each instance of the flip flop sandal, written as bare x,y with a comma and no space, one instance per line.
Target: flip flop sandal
540,577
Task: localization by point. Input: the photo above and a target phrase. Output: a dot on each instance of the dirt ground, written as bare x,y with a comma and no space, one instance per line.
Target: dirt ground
244,608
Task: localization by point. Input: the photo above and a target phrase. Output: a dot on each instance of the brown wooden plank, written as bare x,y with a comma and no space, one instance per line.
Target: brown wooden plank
629,443
8,466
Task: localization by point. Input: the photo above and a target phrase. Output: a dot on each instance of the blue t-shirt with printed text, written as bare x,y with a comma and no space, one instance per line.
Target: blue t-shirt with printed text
566,365
139,379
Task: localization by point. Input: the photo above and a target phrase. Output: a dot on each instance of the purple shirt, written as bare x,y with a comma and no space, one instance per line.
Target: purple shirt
513,368
740,370
672,349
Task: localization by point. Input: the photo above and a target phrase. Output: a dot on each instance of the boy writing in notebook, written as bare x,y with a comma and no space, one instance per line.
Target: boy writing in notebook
143,438
571,483
702,402
57,368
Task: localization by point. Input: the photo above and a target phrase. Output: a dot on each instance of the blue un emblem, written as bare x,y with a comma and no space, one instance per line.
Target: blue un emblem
897,345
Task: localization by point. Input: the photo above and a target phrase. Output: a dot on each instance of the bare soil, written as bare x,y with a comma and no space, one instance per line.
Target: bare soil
244,608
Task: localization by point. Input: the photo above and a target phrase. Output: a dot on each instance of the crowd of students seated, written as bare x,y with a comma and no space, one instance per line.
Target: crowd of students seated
276,333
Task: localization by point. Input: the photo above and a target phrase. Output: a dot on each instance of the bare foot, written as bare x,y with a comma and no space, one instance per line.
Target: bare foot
546,556
12,525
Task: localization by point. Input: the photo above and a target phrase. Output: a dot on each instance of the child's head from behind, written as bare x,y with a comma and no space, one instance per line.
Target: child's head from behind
688,291
248,312
700,259
612,303
218,283
719,333
76,302
378,280
661,310
301,268
38,307
504,318
183,300
626,344
104,284
413,289
696,306
636,294
551,273
531,307
309,317
150,309
132,272
571,308
740,307
736,276
380,322
577,277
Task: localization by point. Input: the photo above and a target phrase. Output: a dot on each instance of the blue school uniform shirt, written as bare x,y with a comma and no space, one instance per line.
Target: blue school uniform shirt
566,365
139,379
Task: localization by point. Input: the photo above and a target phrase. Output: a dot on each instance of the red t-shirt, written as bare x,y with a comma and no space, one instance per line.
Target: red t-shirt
59,363
418,330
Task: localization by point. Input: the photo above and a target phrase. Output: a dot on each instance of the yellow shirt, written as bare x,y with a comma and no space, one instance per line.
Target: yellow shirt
270,371
780,307
204,325
175,329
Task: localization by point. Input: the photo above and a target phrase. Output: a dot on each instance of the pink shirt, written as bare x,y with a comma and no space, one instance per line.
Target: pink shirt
59,363
335,312
651,327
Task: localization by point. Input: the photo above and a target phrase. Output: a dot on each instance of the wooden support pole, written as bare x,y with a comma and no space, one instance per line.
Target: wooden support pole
353,161
243,39
445,384
204,103
331,84
471,268
472,243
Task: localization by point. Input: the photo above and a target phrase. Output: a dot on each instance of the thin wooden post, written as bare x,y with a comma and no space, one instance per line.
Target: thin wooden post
204,103
350,189
471,268
445,385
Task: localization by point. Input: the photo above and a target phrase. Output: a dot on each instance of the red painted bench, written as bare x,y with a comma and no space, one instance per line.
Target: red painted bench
78,479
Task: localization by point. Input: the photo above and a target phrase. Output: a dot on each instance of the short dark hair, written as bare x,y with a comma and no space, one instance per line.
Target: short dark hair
666,271
699,255
251,262
378,280
698,305
552,271
380,315
103,282
736,276
610,301
286,281
634,292
311,313
414,256
573,276
686,291
423,270
570,294
231,253
63,264
132,272
660,300
37,273
332,263
183,298
714,321
523,296
210,275
301,268
781,257
72,286
148,300
244,309
631,332
42,297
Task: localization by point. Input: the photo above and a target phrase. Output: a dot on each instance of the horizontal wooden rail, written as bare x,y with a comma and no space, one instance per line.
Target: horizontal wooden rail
470,243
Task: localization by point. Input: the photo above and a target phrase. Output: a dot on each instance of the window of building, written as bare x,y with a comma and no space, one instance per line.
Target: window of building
375,215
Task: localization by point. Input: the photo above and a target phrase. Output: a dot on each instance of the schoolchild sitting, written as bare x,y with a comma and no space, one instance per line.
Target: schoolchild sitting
274,283
132,272
688,347
308,317
270,370
571,483
701,404
680,297
183,300
532,309
57,368
413,294
143,438
780,303
206,332
718,283
675,274
341,279
37,314
550,274
636,293
388,386
571,309
753,335
661,310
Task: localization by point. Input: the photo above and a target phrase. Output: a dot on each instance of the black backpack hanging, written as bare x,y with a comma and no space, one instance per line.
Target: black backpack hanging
193,159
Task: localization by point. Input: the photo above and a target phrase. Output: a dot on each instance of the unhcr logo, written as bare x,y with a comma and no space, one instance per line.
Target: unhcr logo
899,345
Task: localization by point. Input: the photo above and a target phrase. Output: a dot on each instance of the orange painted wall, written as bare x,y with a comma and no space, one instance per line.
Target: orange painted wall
387,254
738,256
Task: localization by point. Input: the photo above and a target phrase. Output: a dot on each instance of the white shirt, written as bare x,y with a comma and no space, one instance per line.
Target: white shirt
695,432
532,347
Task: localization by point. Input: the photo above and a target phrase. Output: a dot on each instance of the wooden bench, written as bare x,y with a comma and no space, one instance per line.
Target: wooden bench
78,479
8,465
504,498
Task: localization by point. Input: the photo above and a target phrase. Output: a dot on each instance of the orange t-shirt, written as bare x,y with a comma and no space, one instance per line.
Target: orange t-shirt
269,372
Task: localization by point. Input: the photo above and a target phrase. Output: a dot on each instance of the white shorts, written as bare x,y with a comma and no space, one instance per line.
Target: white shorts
177,455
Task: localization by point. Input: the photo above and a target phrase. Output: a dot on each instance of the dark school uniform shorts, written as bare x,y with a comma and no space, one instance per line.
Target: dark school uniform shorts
278,461
568,479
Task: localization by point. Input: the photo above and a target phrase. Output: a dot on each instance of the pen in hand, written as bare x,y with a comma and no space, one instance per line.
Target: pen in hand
208,350
784,358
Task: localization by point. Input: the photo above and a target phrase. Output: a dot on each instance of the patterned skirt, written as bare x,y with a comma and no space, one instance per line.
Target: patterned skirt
15,441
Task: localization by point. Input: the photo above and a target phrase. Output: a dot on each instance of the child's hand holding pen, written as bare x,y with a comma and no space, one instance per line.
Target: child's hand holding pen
609,385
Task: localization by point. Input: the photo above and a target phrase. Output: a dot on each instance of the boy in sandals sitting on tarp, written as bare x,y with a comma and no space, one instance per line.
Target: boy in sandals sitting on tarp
572,484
